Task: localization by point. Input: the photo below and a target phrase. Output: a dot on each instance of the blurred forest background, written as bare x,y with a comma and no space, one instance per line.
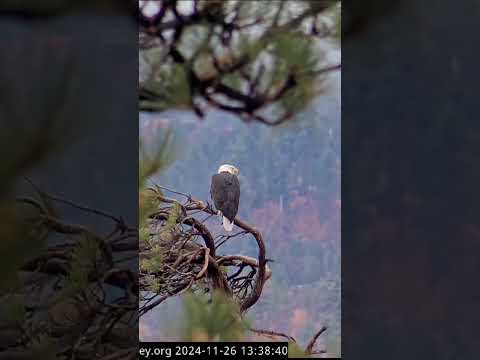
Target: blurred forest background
290,190
62,118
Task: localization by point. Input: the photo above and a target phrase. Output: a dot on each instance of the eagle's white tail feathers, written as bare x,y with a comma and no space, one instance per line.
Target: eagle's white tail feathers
227,224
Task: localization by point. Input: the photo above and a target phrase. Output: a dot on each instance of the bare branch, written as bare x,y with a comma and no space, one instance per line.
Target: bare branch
311,343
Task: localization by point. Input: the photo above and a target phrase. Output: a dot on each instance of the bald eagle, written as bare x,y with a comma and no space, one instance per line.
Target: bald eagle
225,193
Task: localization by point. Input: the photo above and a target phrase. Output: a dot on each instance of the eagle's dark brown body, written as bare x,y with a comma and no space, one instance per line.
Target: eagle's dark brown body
225,193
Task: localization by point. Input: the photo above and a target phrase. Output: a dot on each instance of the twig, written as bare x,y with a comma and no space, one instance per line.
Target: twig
271,333
311,343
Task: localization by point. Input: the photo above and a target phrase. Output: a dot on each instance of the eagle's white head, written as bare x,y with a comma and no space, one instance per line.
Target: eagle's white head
228,168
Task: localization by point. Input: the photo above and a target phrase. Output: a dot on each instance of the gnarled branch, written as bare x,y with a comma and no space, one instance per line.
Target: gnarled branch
178,241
